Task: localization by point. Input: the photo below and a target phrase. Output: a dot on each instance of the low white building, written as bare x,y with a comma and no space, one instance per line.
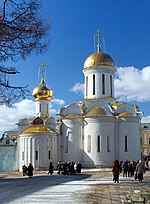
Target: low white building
95,131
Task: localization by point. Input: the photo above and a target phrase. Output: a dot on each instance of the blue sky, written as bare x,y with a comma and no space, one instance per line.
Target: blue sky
125,25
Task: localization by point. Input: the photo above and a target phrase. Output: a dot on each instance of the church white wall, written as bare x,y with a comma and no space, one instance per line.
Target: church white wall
42,108
103,127
131,129
71,140
30,144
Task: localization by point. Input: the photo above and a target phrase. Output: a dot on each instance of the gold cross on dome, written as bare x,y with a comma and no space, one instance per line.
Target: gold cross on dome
43,71
98,35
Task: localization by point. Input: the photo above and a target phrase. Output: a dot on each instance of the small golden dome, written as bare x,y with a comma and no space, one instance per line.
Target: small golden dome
37,129
136,107
98,59
42,92
97,111
71,116
125,114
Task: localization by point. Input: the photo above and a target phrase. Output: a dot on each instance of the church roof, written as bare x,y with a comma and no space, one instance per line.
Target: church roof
40,128
97,111
125,114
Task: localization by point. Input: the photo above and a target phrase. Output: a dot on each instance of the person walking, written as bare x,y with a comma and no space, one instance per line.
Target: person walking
140,170
24,170
116,169
30,170
51,168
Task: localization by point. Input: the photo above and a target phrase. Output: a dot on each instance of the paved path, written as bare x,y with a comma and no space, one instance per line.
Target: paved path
91,187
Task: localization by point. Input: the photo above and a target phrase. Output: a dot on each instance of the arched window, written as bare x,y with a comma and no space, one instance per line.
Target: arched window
47,108
49,154
99,143
86,85
111,92
93,84
145,139
103,84
36,155
126,143
67,141
108,143
89,144
23,156
40,108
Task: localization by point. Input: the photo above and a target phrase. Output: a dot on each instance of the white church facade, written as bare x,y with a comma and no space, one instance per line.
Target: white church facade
95,131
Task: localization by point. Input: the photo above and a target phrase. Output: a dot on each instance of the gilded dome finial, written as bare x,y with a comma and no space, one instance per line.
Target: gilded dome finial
42,92
98,58
43,71
98,35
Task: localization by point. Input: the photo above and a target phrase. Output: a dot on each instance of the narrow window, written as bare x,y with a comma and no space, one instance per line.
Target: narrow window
103,83
145,138
67,143
22,155
126,143
89,144
47,108
99,143
49,154
36,155
108,143
111,85
86,85
40,107
93,84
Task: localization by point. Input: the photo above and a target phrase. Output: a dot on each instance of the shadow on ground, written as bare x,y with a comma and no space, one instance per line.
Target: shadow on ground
14,188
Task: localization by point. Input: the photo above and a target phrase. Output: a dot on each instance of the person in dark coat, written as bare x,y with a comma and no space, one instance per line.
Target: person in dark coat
125,168
79,167
51,168
116,169
30,170
140,170
59,167
24,170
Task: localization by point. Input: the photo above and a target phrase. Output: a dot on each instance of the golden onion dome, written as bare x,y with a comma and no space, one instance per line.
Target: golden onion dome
98,59
42,92
37,129
97,111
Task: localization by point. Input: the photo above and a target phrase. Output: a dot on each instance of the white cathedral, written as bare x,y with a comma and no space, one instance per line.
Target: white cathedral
95,131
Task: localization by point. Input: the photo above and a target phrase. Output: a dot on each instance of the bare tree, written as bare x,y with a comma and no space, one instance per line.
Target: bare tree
22,32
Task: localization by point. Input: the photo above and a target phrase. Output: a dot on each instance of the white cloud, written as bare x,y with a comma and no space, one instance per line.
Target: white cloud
146,119
133,84
78,88
24,109
58,101
10,116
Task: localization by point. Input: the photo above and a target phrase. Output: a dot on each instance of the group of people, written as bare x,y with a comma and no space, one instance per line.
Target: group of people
67,168
128,168
27,170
